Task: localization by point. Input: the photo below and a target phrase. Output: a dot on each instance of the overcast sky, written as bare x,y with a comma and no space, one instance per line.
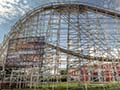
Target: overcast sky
12,10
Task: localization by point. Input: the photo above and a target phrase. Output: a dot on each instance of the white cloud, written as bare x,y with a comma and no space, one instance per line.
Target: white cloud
11,8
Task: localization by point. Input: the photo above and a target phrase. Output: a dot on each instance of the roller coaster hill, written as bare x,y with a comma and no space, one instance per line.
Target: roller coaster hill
80,40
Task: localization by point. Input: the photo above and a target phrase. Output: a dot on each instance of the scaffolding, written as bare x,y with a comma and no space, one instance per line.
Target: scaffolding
60,43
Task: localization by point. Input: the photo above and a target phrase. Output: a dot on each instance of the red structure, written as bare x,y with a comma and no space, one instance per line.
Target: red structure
107,71
84,74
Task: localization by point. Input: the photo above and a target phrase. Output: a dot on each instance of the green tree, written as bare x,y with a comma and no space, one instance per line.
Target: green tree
63,72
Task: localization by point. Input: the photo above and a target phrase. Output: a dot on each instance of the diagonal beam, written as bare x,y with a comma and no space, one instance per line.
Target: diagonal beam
78,54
